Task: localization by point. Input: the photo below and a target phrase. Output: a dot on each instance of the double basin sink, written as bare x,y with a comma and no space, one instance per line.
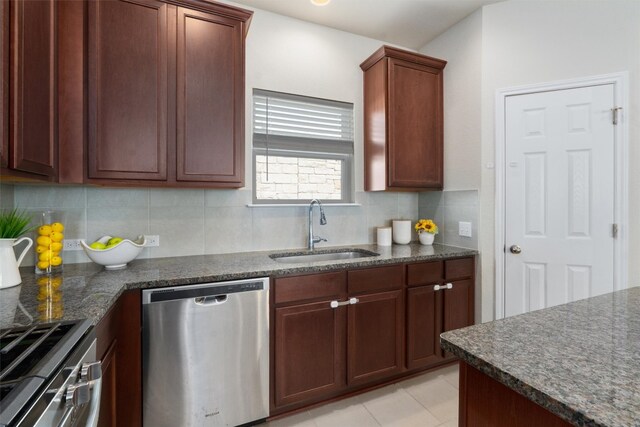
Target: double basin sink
317,256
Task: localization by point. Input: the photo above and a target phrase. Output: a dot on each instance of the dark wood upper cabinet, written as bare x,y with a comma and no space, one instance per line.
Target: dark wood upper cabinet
210,107
32,132
127,89
166,93
403,119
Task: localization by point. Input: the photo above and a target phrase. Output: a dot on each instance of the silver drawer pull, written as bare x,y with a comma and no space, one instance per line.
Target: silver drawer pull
447,286
336,304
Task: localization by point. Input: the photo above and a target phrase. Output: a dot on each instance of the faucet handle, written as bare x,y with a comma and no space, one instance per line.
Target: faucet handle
318,239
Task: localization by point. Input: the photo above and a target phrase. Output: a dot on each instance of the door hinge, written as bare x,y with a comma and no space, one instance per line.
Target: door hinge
615,114
614,230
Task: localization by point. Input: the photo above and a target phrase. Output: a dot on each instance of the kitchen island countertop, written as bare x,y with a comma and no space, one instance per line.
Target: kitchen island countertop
87,291
580,361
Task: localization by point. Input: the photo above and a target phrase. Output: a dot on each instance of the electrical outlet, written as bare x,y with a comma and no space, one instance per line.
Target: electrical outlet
152,241
71,245
464,229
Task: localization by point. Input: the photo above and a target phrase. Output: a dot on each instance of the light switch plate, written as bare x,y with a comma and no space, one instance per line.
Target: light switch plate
464,229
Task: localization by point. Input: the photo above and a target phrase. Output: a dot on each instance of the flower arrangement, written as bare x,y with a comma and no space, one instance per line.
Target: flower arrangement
426,226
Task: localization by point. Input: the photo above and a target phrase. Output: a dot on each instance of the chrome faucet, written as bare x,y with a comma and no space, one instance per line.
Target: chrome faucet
323,220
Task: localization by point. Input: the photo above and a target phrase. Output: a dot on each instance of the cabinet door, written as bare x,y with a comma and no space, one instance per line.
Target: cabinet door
127,96
34,144
424,323
309,352
375,337
415,135
457,307
210,99
108,395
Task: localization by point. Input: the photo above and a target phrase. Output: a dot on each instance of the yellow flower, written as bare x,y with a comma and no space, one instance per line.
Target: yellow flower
426,226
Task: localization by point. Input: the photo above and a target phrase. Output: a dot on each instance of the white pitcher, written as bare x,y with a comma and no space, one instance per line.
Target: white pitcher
9,273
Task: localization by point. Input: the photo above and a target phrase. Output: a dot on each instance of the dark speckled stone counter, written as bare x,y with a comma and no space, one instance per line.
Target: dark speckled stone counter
581,361
86,291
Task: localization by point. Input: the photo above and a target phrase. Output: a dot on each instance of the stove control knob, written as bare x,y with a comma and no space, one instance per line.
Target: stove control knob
78,394
91,371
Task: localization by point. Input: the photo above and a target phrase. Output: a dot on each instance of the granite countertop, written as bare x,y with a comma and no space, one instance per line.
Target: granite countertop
581,360
87,291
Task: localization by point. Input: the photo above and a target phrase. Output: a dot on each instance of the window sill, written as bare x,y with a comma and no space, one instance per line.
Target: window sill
290,205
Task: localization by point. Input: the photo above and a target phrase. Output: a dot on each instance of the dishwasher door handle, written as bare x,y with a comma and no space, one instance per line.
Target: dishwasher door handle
212,300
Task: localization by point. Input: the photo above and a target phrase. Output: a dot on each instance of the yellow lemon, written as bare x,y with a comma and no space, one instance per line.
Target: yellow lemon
57,226
40,249
43,281
44,230
56,236
55,261
56,246
43,241
45,256
43,265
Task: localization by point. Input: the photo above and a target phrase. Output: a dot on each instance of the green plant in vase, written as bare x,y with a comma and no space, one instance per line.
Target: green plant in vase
14,223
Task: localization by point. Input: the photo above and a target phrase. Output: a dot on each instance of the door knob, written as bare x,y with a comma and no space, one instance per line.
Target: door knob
515,249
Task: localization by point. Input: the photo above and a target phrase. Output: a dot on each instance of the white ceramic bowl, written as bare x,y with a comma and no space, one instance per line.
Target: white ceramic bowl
116,257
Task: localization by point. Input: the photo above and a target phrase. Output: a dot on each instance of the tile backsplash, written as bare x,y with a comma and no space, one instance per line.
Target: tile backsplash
447,208
196,221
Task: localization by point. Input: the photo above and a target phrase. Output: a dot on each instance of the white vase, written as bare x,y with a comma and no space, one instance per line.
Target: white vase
9,273
426,238
401,231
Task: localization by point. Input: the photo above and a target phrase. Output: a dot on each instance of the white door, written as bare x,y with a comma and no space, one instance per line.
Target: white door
559,199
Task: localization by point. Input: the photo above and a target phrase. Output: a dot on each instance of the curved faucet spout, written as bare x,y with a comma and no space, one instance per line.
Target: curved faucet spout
323,221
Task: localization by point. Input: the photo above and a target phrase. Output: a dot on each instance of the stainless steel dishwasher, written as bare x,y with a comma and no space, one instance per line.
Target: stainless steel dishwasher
205,354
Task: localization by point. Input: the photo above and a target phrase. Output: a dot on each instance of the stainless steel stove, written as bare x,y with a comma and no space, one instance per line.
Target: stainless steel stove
49,375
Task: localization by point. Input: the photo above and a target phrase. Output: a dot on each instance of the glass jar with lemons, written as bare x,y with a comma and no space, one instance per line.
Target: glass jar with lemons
49,242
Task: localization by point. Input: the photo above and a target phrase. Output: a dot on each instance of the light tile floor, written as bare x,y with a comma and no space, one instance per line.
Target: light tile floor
429,400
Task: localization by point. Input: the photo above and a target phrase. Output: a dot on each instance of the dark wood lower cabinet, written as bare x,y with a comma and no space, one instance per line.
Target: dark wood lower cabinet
375,337
119,347
109,381
309,352
424,320
487,402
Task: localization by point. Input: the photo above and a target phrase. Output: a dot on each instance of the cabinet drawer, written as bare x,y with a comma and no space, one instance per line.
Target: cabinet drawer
312,286
458,269
375,279
424,273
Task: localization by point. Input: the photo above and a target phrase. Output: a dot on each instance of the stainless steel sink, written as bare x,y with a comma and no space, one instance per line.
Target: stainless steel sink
316,256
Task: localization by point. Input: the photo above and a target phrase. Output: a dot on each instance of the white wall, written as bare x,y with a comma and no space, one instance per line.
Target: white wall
526,42
461,47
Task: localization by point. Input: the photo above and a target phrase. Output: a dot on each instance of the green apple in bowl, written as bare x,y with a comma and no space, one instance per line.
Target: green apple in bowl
98,246
114,241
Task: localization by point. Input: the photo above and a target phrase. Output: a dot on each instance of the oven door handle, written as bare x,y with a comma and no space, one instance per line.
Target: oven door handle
96,393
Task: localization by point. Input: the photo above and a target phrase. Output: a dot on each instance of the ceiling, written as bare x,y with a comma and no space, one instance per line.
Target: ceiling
408,23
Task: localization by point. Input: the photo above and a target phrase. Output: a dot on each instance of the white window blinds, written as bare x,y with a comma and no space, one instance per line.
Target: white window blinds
302,123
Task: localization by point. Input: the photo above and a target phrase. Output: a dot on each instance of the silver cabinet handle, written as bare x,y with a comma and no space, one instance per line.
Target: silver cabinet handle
350,301
447,286
515,249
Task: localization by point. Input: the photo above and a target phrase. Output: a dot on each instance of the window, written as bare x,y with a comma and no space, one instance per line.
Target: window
302,149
